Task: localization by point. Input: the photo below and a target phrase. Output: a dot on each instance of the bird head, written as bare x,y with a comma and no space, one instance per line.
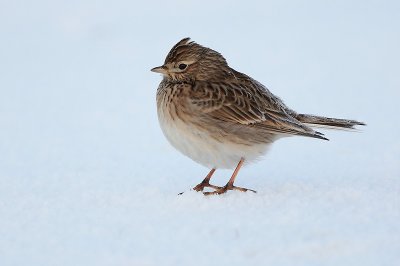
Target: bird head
189,61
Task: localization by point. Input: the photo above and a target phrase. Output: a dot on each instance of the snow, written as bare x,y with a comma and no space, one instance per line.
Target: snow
87,178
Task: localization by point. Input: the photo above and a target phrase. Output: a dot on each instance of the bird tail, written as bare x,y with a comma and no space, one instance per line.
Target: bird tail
327,122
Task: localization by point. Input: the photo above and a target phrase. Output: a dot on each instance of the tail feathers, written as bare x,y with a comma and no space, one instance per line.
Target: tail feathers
328,122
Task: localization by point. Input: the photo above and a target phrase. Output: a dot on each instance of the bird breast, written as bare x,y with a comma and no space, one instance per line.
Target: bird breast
207,146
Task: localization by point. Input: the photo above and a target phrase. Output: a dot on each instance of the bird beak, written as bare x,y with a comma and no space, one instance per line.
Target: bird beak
160,69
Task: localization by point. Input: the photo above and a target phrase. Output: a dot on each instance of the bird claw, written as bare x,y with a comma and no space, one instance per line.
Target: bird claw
227,187
202,185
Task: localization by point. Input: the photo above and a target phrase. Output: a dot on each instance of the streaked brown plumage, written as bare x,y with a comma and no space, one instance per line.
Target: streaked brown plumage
220,117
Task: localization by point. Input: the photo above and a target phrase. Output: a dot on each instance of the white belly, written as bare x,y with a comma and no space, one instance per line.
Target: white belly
205,150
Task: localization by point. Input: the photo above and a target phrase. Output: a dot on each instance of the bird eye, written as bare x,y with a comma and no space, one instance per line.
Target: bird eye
182,66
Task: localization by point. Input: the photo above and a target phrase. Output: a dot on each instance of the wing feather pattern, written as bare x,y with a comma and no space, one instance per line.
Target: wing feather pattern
245,101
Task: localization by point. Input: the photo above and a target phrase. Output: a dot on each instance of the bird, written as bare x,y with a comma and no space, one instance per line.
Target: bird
222,118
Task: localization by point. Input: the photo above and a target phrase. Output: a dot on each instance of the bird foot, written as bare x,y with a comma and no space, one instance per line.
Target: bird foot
224,189
202,185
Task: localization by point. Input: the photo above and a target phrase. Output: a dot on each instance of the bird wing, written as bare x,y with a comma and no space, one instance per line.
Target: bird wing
246,102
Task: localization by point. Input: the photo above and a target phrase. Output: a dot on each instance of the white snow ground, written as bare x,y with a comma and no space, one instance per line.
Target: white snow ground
87,178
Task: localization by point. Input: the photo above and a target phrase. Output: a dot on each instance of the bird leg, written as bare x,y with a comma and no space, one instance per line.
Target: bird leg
229,185
206,182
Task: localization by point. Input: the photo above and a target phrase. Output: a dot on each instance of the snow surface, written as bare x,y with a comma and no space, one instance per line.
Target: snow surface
87,178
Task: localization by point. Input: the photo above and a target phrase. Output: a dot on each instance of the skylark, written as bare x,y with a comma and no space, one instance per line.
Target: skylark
222,118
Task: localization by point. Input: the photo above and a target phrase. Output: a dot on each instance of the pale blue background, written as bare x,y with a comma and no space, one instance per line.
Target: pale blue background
87,178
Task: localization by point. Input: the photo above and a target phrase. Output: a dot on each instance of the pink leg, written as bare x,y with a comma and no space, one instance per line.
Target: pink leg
206,182
229,185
